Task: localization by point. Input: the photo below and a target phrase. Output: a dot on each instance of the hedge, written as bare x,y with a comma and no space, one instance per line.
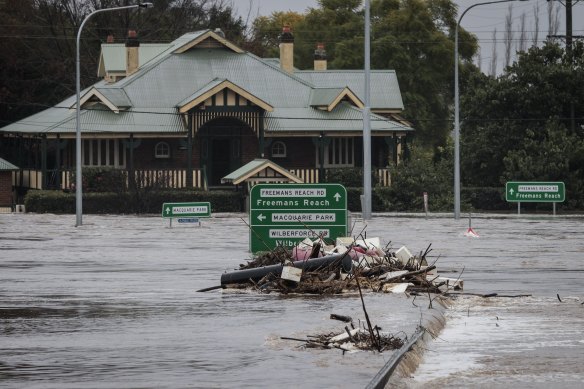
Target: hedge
150,201
46,201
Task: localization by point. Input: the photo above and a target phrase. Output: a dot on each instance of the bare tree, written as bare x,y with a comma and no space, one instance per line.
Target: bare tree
522,43
536,24
493,70
553,18
508,35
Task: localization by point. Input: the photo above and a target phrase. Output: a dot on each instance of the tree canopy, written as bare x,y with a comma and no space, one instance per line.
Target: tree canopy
37,61
413,37
520,126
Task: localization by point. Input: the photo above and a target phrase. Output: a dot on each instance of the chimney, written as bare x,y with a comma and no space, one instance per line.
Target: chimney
320,57
110,39
287,50
132,56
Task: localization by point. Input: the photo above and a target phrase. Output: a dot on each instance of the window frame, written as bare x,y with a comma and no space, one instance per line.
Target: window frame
283,152
162,150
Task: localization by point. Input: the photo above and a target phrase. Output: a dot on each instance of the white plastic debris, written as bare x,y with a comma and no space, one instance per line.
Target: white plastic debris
396,288
343,336
344,241
403,255
369,243
450,283
291,273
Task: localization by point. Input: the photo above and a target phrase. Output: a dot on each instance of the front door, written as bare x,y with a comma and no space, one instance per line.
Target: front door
220,165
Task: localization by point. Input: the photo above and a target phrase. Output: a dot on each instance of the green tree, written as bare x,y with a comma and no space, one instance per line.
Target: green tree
37,61
266,30
518,126
413,37
425,171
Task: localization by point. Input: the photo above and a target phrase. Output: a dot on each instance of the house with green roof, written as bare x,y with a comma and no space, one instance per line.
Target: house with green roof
188,113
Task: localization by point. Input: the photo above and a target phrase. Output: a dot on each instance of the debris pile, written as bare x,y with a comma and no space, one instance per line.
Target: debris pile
317,268
352,340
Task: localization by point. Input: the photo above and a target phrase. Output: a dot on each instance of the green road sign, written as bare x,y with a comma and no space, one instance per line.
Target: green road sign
284,214
184,210
535,192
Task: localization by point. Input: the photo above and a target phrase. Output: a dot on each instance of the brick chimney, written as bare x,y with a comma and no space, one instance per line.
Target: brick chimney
287,50
132,53
320,57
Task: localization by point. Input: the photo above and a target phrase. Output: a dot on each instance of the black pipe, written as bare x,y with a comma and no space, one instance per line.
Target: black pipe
257,274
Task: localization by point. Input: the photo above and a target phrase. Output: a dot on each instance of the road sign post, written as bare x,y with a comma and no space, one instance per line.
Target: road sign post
284,214
535,192
186,212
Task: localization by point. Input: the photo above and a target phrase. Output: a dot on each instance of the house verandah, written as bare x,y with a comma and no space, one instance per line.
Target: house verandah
201,108
218,147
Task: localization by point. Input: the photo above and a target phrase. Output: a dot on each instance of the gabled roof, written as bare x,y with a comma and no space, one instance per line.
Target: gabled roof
113,98
343,119
6,166
329,98
153,100
201,38
215,87
260,170
385,93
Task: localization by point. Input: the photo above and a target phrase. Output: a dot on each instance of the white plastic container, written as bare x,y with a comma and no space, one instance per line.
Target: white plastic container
403,255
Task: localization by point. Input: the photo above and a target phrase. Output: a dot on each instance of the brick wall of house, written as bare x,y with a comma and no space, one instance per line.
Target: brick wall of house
5,188
300,153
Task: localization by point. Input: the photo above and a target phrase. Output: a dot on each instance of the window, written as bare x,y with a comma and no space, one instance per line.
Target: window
162,150
103,152
279,150
338,153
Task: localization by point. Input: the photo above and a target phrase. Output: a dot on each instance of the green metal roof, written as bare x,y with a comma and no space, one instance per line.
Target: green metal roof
153,93
118,96
260,169
324,96
6,166
385,92
344,118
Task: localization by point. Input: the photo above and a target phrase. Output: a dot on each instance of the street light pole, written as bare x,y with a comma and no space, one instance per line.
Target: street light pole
366,211
78,180
457,109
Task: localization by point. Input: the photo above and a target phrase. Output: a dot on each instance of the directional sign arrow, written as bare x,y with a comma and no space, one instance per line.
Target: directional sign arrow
167,210
511,191
261,217
337,197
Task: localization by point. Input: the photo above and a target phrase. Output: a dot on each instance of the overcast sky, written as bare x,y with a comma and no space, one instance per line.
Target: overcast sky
481,21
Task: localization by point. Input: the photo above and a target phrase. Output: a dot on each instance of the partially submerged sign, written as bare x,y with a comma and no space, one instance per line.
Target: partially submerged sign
185,210
284,214
186,213
535,192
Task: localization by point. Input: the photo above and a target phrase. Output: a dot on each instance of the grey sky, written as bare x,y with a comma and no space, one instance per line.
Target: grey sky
481,21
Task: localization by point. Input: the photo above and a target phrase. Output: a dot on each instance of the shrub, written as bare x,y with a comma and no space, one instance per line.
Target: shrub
129,202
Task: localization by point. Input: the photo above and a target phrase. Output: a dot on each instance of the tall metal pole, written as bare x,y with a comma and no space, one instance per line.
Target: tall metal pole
366,121
457,110
78,172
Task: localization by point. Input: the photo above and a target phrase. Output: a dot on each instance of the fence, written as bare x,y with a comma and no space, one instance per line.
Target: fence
162,178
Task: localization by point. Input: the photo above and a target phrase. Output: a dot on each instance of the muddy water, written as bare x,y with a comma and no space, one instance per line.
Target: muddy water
113,304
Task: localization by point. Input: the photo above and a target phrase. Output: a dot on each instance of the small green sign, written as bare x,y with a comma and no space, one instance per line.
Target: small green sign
535,192
185,210
284,214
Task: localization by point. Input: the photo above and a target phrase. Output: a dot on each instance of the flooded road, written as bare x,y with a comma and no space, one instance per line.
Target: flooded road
113,304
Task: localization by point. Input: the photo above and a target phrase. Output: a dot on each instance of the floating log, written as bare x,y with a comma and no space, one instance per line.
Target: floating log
255,274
